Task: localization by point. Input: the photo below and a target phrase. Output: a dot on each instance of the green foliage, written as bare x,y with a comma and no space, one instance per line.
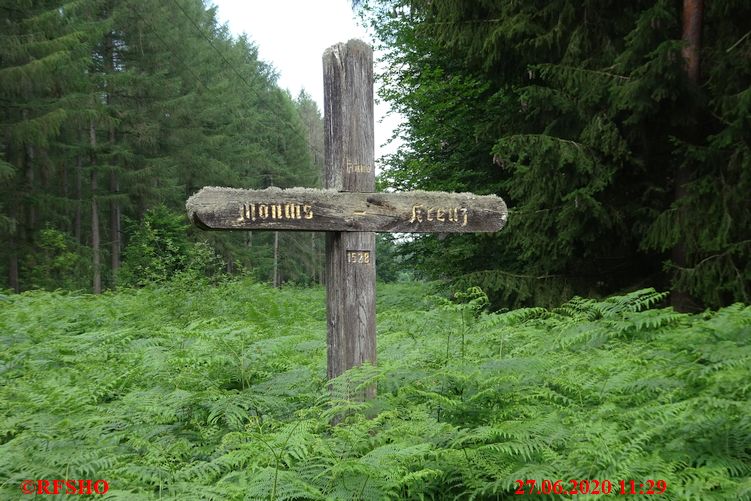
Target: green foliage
172,392
391,266
59,262
110,108
159,249
581,116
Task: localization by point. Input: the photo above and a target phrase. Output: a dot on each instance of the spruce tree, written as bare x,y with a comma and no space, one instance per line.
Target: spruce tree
42,58
580,116
112,107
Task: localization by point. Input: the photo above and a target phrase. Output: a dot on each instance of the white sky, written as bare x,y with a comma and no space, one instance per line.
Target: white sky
291,35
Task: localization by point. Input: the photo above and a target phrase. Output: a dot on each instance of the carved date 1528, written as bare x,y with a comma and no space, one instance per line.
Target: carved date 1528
358,257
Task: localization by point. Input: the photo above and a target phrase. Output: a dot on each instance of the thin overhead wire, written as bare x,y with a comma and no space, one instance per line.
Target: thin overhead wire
182,63
243,79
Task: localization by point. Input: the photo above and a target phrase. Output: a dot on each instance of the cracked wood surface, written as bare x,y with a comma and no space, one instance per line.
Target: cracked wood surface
330,210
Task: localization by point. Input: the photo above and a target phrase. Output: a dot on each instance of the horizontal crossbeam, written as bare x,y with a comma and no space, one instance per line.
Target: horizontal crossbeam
305,209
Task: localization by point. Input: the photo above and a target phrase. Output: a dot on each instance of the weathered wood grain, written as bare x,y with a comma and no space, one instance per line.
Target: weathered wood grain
330,210
349,167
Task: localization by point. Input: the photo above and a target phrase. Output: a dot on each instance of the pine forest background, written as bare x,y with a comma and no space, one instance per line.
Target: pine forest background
618,136
113,114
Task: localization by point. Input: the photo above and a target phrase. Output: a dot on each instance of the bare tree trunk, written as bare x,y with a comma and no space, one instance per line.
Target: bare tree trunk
13,267
79,195
13,203
64,182
13,257
276,259
114,188
30,154
96,258
30,210
313,258
23,214
115,246
693,11
249,245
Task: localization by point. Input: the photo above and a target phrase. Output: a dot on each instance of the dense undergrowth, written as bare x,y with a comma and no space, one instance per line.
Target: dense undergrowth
220,393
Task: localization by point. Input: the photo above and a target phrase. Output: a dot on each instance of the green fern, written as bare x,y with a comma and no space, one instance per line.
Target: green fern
202,395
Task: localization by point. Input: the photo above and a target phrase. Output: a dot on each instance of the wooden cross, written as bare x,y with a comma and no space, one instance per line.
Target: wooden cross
348,210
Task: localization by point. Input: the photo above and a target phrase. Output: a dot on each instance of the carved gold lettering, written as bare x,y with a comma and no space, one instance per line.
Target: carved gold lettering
416,214
247,211
358,257
358,168
458,215
275,211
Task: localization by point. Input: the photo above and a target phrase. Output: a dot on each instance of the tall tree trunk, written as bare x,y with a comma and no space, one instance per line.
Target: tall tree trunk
97,278
79,201
313,258
276,259
95,251
64,182
249,245
27,224
29,213
30,209
13,256
13,234
23,213
13,266
115,245
693,11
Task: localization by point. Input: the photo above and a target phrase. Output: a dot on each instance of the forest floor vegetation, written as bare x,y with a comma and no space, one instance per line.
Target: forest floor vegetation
218,392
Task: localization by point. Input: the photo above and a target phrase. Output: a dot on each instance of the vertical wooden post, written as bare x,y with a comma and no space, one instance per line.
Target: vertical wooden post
349,166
